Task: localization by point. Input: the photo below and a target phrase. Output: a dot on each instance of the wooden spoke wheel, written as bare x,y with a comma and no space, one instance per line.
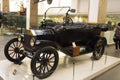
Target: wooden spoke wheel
44,62
99,49
14,51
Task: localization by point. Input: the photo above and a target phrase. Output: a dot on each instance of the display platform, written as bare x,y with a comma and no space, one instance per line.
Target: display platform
77,68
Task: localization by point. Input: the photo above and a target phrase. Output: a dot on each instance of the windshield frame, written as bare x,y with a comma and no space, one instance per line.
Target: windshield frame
45,14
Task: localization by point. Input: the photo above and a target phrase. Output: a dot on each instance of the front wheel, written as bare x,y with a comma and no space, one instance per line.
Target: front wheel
13,51
98,49
44,62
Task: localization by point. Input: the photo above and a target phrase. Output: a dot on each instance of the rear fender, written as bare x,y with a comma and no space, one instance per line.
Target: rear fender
104,40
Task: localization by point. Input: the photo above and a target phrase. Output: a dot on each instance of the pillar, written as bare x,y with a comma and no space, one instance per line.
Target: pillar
78,6
0,5
31,14
102,11
97,11
5,5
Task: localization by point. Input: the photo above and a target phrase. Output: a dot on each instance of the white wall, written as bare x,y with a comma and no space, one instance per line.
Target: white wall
15,5
113,6
83,6
65,2
43,6
74,4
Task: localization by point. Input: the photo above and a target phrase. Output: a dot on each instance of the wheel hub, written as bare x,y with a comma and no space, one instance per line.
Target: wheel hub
16,50
44,61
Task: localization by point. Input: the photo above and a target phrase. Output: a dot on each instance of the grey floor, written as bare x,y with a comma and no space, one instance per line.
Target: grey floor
112,74
3,40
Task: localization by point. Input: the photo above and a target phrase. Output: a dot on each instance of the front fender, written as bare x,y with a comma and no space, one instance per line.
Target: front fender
103,39
20,37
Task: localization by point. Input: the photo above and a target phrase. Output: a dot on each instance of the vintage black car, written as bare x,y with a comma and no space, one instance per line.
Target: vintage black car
42,45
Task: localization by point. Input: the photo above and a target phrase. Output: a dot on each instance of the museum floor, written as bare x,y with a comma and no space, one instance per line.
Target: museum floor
112,74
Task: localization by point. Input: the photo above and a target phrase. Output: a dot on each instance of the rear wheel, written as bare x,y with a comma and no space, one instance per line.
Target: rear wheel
44,62
99,49
14,51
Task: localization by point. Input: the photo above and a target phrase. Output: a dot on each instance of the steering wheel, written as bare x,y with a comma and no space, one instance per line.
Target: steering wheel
67,21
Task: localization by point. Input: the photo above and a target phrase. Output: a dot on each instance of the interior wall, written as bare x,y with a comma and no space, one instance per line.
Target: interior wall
113,7
83,6
43,6
74,4
15,5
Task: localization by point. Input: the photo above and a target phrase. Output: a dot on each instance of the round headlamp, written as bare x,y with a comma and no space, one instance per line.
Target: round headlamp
19,38
32,41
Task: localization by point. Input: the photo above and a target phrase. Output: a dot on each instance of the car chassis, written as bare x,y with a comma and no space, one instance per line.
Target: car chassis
42,45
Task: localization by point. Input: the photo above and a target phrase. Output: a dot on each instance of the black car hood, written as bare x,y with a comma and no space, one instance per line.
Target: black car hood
42,32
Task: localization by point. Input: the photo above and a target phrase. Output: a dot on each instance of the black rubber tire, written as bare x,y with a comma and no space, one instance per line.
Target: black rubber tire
44,62
13,51
99,49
